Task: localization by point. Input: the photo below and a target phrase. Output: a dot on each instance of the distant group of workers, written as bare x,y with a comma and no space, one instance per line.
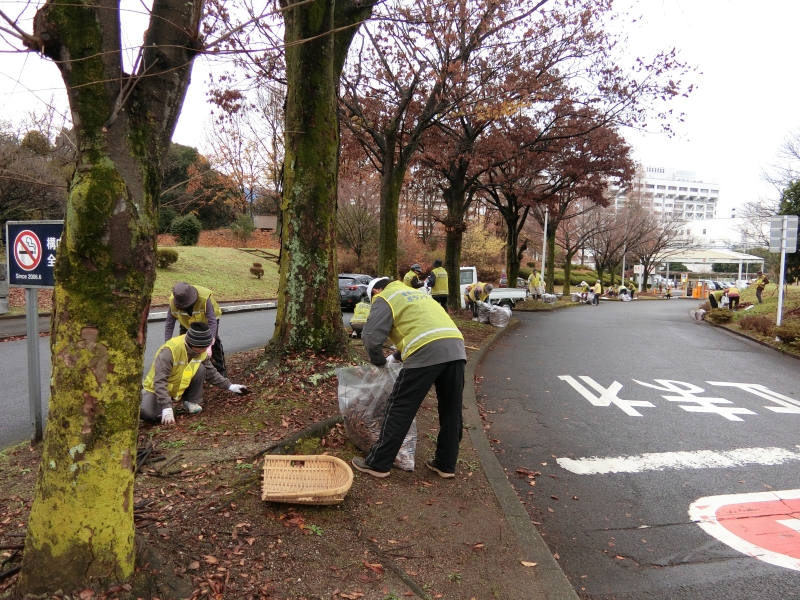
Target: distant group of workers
715,298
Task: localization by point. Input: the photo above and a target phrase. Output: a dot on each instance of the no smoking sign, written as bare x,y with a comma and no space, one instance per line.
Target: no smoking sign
764,525
27,250
32,247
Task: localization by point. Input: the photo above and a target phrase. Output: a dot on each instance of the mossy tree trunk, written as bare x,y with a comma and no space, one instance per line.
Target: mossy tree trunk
317,37
550,277
81,522
457,201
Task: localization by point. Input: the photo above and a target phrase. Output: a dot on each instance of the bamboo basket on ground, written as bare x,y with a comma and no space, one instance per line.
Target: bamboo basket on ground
306,479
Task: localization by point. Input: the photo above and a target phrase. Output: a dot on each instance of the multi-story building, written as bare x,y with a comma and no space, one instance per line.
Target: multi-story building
670,192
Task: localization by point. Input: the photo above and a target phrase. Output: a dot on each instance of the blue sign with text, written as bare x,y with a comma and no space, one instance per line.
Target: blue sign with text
31,248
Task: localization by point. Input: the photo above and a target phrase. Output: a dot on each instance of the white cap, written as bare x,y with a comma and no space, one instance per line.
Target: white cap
372,285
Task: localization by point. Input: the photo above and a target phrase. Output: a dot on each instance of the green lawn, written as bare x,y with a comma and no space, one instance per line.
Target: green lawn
770,297
226,271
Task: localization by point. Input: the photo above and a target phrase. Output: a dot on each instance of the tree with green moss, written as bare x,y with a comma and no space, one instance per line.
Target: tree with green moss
80,527
317,37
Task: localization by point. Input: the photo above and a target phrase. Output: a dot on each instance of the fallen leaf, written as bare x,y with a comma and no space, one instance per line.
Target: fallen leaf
250,541
620,557
525,563
212,560
550,510
376,567
531,483
477,546
574,497
194,565
554,497
87,594
556,556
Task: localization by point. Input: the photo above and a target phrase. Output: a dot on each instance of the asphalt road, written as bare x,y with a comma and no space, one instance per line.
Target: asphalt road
621,526
239,332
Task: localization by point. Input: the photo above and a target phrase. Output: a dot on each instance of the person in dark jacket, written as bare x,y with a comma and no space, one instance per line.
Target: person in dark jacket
431,348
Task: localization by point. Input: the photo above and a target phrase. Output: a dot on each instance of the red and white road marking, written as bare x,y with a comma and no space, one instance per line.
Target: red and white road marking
764,525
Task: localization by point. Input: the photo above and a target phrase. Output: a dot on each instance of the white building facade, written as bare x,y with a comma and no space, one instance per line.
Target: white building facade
673,193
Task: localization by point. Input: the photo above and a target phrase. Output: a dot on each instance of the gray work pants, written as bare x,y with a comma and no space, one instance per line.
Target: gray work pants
150,409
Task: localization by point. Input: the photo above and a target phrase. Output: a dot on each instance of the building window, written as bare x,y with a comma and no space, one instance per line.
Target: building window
704,231
661,187
703,191
672,188
714,192
650,186
682,189
693,189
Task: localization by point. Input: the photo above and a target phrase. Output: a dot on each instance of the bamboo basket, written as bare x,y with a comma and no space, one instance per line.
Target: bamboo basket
306,479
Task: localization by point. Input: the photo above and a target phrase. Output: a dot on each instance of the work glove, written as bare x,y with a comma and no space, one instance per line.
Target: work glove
391,359
167,416
238,389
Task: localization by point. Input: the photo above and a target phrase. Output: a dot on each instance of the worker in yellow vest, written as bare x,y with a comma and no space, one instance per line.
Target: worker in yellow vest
411,278
597,290
761,282
178,371
195,304
535,285
437,282
733,297
431,348
359,319
478,293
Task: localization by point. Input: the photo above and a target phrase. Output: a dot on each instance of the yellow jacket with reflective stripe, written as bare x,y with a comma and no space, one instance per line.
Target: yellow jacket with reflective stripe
361,312
477,293
417,319
534,280
198,314
183,369
440,287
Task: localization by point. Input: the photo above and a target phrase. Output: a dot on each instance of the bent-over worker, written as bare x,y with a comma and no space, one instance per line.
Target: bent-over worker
432,351
479,293
411,278
178,371
194,304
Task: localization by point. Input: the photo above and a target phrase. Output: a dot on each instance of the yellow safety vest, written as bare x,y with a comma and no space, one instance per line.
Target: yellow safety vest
477,293
418,319
361,313
440,287
198,313
598,289
534,281
733,291
408,277
183,369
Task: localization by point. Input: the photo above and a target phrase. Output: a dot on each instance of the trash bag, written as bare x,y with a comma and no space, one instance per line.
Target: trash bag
575,297
549,298
484,310
499,316
590,298
625,297
363,394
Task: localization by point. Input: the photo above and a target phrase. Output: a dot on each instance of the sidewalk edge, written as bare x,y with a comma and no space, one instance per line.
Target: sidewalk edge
554,581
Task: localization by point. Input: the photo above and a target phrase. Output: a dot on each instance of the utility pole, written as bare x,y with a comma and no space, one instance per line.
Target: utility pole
544,246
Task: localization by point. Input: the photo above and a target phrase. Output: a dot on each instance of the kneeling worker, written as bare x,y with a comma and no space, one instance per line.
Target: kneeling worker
359,319
432,351
178,371
715,298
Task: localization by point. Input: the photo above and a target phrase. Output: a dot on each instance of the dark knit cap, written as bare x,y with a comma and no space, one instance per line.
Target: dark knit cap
184,295
199,335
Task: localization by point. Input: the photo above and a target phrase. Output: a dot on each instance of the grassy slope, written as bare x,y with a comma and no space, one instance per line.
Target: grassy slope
226,271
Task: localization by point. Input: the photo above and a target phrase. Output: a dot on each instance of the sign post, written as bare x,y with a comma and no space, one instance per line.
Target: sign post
783,239
31,248
638,270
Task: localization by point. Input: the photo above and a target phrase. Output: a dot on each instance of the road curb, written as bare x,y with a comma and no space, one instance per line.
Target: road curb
555,583
747,337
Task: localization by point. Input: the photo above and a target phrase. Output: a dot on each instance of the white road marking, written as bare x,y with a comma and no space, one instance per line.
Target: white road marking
607,396
790,523
660,461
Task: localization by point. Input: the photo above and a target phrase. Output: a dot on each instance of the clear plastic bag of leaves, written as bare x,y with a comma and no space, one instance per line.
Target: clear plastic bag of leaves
499,316
484,310
363,393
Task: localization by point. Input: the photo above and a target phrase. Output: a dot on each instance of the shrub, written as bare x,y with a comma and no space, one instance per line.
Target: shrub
257,270
788,332
166,215
242,228
186,230
760,323
719,315
166,257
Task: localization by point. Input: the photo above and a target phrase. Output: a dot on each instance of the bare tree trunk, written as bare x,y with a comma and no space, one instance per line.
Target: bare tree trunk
454,227
391,186
81,522
308,315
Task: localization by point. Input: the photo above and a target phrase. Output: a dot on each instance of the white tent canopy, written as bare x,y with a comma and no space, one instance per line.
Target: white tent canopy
702,260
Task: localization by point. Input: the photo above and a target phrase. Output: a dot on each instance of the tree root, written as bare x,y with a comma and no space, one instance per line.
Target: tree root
285,446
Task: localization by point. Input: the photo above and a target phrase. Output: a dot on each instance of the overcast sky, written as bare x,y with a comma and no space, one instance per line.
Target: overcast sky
744,106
